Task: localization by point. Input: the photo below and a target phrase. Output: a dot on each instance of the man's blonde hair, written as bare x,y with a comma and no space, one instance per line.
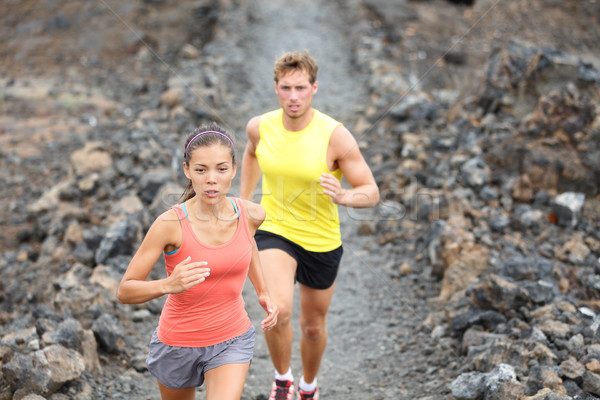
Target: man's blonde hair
296,61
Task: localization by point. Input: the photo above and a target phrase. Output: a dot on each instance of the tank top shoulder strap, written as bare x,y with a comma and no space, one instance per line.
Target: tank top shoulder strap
180,211
235,207
241,210
186,228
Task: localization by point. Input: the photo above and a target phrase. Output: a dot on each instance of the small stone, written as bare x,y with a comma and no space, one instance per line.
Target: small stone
405,268
170,98
190,51
22,256
593,366
366,228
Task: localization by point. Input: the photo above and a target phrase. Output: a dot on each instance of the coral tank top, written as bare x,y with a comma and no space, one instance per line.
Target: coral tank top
213,311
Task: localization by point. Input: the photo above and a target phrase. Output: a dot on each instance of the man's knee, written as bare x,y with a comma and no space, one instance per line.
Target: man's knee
284,317
314,331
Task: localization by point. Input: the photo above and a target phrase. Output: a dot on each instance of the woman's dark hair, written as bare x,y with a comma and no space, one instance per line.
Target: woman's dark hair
202,137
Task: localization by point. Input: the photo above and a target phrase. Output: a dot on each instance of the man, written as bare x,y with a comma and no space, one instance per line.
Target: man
302,155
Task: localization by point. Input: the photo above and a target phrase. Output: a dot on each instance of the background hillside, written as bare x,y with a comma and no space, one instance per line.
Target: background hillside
478,275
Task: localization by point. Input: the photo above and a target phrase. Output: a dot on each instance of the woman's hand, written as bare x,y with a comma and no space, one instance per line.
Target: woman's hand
186,275
272,312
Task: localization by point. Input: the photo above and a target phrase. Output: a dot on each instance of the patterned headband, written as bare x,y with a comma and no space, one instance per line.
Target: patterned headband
202,133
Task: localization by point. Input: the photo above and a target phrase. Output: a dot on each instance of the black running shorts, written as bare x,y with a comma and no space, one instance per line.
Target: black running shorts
316,270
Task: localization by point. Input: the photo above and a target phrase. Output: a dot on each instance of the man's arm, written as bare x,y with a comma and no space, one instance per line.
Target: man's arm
344,150
250,168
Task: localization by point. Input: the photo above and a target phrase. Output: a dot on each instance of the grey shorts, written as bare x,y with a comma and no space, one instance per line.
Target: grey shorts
181,367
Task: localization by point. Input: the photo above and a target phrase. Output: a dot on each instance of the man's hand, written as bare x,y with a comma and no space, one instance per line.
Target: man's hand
332,188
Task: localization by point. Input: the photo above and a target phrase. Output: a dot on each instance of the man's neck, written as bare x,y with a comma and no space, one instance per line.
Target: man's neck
298,124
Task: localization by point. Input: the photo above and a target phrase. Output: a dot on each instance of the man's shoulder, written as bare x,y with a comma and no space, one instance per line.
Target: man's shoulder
265,115
271,114
327,117
270,119
326,122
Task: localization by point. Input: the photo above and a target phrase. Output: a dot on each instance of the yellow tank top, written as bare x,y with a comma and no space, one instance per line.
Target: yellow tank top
292,163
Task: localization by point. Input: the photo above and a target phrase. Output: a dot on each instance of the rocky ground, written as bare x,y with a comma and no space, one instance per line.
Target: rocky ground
478,275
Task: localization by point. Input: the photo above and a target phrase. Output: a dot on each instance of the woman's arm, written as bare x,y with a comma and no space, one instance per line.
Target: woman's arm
135,289
255,216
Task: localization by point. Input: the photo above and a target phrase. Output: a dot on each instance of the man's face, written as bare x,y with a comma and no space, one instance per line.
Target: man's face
295,93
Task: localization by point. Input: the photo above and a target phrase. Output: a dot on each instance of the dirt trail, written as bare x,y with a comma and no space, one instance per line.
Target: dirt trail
371,314
275,27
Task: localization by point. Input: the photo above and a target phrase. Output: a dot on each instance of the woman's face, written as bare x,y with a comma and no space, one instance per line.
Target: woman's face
211,171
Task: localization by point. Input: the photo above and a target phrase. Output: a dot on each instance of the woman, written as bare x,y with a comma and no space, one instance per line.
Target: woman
204,333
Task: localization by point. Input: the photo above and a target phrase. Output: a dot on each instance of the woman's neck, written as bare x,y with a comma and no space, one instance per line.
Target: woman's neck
208,212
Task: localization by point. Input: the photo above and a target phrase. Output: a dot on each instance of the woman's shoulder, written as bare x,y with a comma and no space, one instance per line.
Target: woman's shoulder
165,230
168,220
251,207
171,214
255,213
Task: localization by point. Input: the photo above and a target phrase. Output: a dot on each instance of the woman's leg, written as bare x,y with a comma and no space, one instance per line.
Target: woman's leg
226,382
176,394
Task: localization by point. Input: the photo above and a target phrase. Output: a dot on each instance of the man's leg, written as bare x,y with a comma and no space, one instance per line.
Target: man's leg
314,304
279,270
